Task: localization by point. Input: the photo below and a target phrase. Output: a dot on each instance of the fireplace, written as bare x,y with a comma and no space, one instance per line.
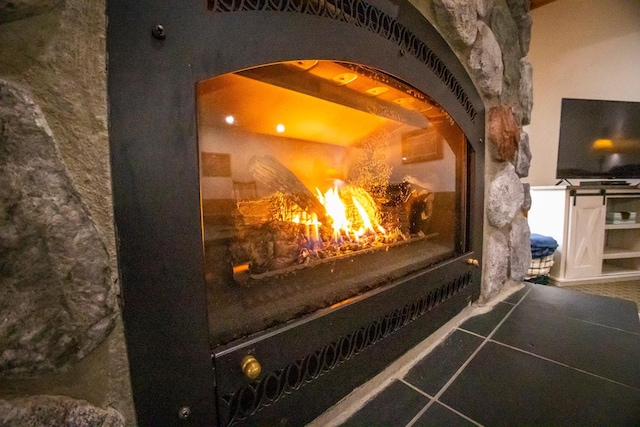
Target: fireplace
298,193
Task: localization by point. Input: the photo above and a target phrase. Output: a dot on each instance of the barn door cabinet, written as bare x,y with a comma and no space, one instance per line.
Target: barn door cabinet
597,229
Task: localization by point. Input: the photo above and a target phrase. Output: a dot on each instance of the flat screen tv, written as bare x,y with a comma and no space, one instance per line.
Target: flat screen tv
599,139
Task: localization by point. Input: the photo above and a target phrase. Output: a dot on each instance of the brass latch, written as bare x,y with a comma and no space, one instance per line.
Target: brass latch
251,367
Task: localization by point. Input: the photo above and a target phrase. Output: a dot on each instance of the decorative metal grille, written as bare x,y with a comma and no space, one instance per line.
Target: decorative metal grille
363,15
273,386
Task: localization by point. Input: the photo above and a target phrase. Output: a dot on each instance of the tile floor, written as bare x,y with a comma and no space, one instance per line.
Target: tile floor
543,356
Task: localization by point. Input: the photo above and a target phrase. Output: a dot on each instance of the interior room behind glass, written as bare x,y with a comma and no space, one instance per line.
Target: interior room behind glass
320,181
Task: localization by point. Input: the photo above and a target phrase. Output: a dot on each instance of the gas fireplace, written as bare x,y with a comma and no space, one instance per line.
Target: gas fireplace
298,197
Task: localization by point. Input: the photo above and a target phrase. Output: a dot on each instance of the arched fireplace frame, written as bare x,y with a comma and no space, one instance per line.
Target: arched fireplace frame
158,52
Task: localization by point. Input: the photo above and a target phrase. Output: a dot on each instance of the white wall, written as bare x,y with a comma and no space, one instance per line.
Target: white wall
579,49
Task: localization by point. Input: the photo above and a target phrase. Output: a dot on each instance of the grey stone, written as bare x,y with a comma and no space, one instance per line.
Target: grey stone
13,10
526,204
485,61
457,18
520,12
505,197
523,156
519,247
505,31
496,256
44,410
484,7
525,92
56,298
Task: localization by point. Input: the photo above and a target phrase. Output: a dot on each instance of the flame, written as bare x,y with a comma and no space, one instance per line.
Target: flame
336,210
345,220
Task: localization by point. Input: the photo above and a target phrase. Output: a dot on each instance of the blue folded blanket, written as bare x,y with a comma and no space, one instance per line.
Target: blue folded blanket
542,246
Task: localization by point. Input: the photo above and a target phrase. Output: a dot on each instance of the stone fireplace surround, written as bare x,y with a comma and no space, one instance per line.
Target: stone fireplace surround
62,351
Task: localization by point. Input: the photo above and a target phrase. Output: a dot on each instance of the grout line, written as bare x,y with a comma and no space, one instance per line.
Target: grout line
472,333
564,364
600,324
402,380
488,337
420,413
424,409
460,414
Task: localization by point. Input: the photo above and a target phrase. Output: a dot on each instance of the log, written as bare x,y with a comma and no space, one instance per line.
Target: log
277,177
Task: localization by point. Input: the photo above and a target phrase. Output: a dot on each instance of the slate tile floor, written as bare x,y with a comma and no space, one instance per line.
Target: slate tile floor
544,356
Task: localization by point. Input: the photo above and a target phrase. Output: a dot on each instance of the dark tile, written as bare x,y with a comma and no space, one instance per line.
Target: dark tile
614,312
396,405
437,367
503,386
484,324
438,415
517,296
598,349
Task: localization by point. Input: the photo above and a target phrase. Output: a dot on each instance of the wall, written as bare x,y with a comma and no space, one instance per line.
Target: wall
62,353
579,49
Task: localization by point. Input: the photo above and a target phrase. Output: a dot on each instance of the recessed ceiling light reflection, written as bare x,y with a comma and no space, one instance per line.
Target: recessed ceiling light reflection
280,128
344,78
405,102
375,91
230,120
304,64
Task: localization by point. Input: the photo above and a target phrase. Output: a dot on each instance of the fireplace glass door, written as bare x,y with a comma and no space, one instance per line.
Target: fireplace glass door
320,181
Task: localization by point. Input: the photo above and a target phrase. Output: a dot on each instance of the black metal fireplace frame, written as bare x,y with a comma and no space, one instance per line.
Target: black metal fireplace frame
157,52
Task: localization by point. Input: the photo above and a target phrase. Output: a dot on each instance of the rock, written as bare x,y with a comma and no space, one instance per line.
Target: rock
56,296
457,18
496,257
526,204
484,7
505,197
525,93
56,411
13,10
519,10
519,248
485,61
505,32
503,133
523,156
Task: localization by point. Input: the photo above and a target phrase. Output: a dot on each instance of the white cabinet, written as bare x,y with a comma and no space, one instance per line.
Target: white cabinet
585,237
597,229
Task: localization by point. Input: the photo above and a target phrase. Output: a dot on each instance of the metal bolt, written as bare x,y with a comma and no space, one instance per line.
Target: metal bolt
402,52
159,32
184,412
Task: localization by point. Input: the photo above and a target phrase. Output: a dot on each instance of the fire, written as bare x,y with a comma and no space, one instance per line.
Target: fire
353,223
336,210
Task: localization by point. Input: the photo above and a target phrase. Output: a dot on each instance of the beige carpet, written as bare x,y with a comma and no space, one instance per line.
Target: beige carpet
626,290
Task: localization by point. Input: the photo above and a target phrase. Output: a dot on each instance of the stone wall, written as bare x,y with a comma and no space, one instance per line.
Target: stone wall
491,38
62,353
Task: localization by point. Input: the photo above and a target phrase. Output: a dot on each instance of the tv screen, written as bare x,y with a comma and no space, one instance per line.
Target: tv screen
599,139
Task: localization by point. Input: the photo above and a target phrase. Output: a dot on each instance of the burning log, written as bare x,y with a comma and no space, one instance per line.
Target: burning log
273,174
291,228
